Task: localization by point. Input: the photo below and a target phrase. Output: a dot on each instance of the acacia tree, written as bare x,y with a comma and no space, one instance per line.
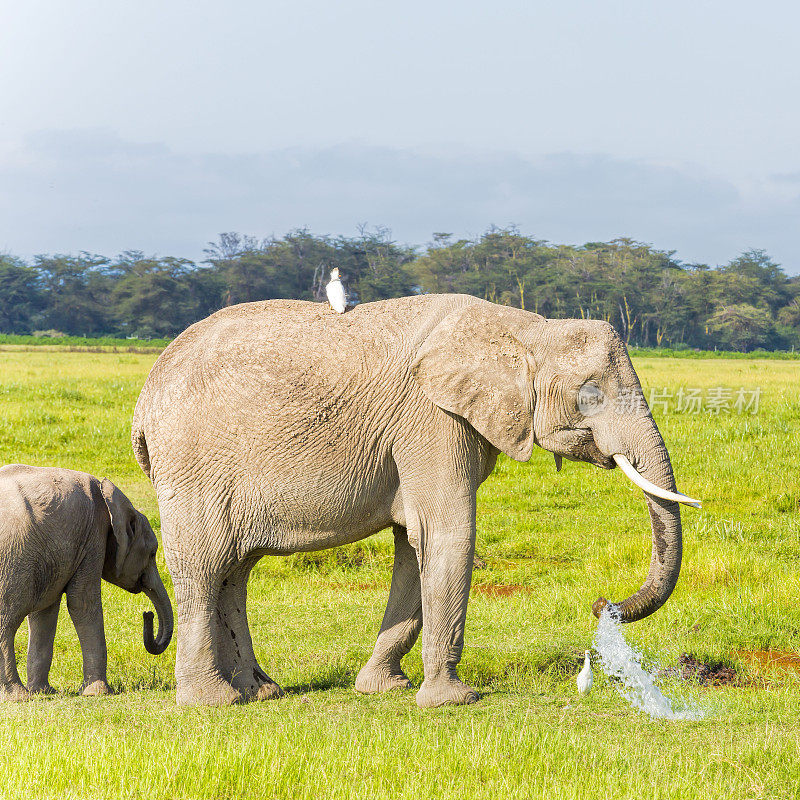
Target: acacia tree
77,291
153,297
741,327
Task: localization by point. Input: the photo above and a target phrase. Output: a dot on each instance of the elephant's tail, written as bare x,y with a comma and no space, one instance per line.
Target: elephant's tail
140,447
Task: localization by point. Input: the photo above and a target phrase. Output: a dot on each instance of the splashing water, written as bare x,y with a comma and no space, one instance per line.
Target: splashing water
619,660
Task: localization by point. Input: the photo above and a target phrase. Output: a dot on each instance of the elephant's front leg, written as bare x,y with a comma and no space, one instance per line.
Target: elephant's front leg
401,623
447,541
85,608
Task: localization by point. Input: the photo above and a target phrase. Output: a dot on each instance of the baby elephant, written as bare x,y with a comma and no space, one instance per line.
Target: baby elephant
60,532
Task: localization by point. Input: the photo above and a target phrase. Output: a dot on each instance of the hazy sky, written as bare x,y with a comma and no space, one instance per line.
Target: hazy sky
156,125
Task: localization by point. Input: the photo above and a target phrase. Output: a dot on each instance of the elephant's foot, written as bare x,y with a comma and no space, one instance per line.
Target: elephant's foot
254,684
445,692
269,690
374,678
96,689
14,693
41,688
207,693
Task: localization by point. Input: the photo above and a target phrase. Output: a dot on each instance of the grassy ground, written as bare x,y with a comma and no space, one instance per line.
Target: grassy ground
551,542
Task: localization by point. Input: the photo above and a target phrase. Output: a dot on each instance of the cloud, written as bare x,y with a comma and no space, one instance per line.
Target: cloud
64,191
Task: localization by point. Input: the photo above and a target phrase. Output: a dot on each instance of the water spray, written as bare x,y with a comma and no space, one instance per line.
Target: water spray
623,664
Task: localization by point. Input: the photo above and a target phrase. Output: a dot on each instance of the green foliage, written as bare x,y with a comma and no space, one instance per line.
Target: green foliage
56,339
741,327
647,294
652,299
76,290
20,295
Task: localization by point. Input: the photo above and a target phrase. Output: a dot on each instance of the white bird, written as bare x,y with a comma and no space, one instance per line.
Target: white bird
584,679
335,291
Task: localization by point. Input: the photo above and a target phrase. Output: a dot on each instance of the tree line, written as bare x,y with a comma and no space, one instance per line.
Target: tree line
651,297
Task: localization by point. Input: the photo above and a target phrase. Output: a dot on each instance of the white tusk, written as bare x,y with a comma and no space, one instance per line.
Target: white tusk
651,488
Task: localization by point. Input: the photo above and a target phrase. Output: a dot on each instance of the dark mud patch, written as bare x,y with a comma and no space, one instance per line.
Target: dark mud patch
500,589
692,670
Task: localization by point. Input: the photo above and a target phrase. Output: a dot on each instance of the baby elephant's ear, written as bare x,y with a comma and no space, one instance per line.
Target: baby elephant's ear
122,519
472,365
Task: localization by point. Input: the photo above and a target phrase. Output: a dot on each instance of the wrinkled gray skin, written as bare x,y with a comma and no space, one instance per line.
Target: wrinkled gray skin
60,532
281,426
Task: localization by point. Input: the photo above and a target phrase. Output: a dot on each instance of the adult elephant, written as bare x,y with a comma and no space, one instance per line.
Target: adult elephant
276,427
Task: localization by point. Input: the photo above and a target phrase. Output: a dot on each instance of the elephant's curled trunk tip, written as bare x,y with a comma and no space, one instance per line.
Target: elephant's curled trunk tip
153,587
150,644
597,606
614,610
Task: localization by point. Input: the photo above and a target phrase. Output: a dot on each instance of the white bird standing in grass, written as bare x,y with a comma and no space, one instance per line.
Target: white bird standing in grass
335,291
584,679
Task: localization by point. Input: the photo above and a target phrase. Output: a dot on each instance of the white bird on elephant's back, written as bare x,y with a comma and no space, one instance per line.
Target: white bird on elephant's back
335,291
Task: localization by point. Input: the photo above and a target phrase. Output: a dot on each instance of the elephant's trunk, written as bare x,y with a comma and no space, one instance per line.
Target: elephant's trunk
153,587
652,462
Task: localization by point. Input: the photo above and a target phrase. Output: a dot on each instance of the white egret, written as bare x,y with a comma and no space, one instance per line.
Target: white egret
584,679
335,291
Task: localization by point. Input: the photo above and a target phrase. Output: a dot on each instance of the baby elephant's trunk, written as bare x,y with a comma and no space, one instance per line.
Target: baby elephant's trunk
153,587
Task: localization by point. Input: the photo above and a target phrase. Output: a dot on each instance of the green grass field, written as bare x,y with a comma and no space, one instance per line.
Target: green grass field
552,544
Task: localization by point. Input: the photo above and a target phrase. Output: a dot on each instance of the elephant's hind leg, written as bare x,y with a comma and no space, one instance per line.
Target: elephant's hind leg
197,674
235,653
401,623
11,687
42,634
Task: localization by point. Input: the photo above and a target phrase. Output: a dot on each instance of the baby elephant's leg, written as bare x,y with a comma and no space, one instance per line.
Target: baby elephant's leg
86,611
42,632
11,687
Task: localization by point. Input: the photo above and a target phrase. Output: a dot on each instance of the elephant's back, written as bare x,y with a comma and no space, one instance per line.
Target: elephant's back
286,339
300,325
46,486
42,499
270,342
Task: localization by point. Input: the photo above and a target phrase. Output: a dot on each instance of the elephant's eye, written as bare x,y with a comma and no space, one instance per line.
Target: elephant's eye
591,399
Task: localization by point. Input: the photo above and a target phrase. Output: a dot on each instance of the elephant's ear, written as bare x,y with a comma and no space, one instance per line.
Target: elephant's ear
123,516
472,365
